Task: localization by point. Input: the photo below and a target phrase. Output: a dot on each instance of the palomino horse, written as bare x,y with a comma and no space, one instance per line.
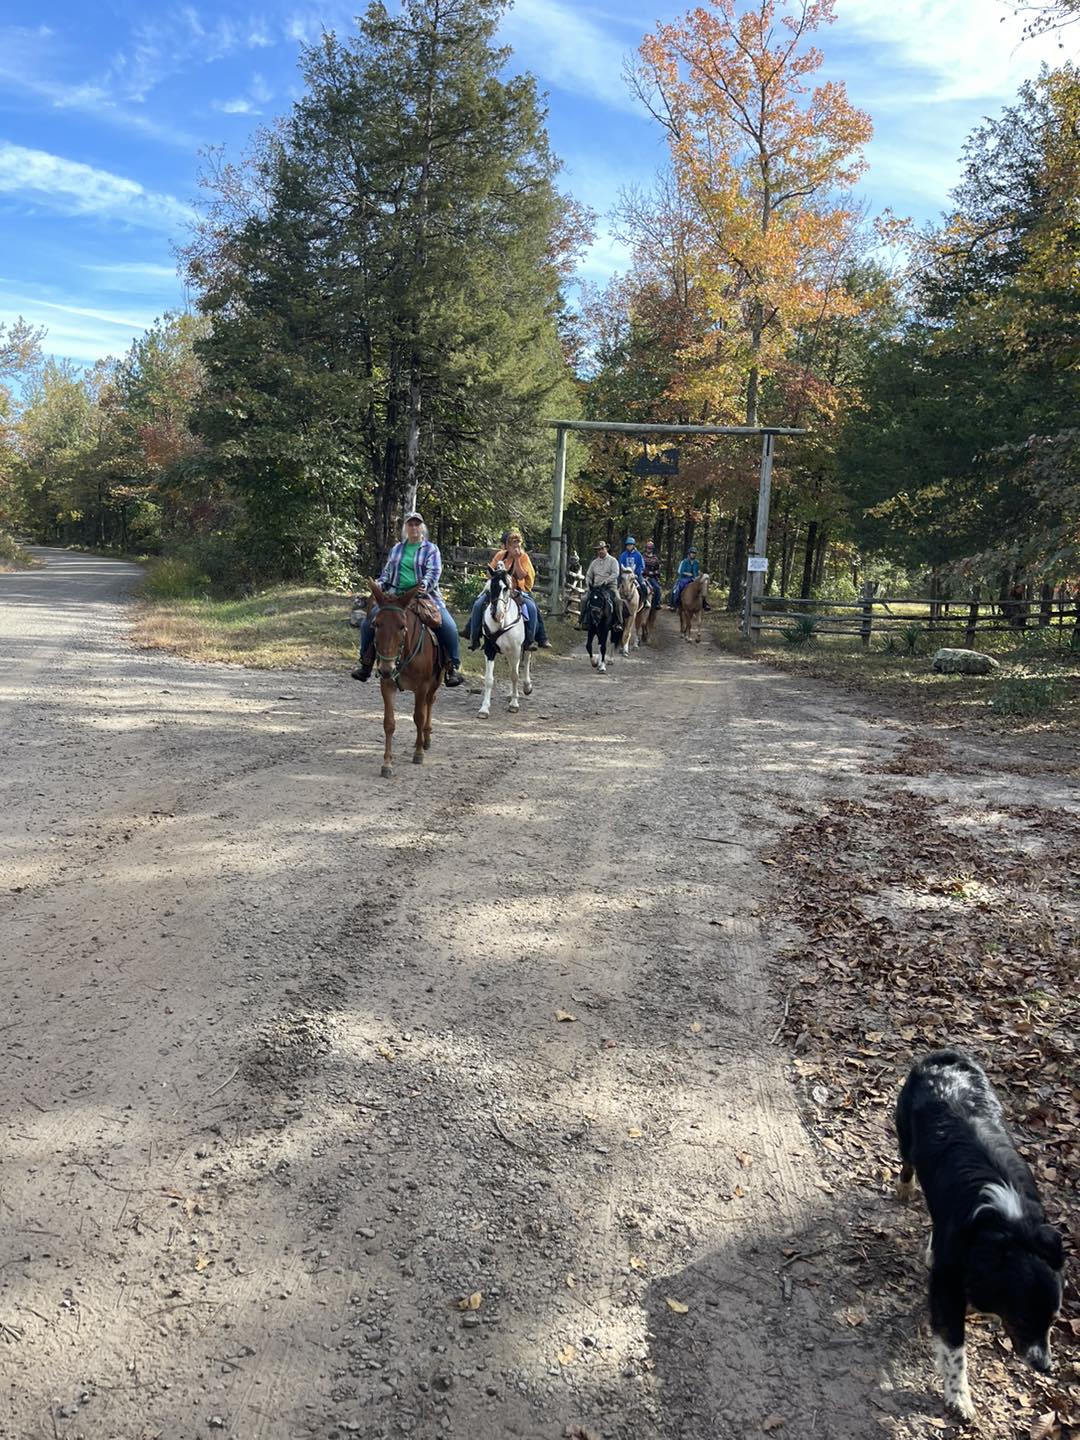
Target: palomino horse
600,622
691,604
504,634
632,604
408,658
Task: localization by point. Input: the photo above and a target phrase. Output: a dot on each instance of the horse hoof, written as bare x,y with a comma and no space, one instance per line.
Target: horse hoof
482,714
602,669
527,689
387,772
514,705
418,757
594,662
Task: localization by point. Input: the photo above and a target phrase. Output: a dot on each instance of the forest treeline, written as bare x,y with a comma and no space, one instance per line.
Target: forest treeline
384,312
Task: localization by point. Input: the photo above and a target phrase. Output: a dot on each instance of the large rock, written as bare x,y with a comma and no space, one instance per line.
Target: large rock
964,662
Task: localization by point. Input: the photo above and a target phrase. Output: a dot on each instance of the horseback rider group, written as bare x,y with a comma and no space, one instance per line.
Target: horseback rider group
415,563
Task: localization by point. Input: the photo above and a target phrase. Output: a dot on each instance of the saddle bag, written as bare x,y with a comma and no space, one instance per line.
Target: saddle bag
425,609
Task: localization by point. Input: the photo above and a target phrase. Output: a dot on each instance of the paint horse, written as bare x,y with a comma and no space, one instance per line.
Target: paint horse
504,634
602,621
691,604
408,657
632,606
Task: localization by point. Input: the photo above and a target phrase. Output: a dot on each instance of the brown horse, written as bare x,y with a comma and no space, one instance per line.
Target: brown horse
691,604
408,658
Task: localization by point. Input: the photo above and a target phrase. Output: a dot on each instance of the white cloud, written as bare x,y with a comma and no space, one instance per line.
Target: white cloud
239,106
74,332
141,273
969,50
567,48
71,188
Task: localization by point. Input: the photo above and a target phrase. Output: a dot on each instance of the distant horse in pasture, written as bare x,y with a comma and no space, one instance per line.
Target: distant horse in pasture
601,622
504,634
408,657
691,603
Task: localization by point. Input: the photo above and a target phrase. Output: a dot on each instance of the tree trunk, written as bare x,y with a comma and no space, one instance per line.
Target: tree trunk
687,532
1046,605
808,561
738,567
670,542
819,558
706,526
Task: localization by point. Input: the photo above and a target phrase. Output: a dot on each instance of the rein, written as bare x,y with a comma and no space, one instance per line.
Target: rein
489,609
400,663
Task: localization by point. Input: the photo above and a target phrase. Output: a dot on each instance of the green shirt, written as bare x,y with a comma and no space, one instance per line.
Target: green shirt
407,573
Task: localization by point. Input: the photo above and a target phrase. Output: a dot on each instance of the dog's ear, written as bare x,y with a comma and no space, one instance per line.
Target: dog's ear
1047,1243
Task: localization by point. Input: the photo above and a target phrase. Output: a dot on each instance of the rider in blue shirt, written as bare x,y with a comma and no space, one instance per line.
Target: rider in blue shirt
632,558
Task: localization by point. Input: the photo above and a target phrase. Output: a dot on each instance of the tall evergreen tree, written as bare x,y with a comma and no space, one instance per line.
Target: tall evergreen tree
386,296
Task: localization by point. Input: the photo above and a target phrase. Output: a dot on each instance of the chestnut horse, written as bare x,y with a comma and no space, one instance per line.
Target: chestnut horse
408,658
633,604
691,603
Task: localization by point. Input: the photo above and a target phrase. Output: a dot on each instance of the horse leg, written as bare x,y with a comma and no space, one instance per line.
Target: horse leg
513,656
431,697
419,709
602,667
628,635
588,646
526,684
388,723
489,685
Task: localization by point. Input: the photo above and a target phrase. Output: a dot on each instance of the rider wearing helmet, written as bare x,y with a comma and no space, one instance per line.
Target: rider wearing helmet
651,564
689,569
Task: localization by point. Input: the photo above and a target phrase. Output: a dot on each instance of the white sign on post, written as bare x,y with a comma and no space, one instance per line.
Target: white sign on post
757,564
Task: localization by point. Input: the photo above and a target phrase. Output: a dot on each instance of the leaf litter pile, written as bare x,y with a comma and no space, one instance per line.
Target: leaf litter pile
925,922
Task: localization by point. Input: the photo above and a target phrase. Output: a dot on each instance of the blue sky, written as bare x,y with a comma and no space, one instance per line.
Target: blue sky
104,107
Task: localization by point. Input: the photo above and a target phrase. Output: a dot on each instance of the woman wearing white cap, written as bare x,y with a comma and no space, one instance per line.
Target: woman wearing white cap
414,560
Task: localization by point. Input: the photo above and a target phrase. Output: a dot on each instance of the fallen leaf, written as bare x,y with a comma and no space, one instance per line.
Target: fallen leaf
772,1422
636,1262
677,1306
471,1302
385,1052
744,1158
567,1355
563,1016
570,1282
635,1132
695,1028
202,1262
1045,1427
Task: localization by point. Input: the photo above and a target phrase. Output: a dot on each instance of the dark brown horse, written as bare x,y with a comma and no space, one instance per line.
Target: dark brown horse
408,658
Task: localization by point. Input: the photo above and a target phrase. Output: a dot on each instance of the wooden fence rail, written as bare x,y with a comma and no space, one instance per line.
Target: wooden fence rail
936,615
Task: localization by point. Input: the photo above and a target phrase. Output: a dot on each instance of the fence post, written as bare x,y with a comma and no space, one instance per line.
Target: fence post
973,620
867,613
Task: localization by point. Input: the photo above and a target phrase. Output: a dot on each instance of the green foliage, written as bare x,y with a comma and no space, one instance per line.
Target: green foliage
175,579
12,555
1026,695
460,591
802,631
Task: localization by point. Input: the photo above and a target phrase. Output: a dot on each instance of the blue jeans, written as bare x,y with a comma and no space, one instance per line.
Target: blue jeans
447,633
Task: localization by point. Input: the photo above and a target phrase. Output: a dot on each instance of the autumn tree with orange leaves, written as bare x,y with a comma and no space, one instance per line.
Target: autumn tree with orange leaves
765,161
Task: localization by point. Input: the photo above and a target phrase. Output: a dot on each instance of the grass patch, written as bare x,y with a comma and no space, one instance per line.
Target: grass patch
1039,678
286,627
13,557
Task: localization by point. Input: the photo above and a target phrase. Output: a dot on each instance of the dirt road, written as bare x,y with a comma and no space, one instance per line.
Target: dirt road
289,1067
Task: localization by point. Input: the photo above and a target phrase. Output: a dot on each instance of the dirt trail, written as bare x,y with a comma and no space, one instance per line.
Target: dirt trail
283,1075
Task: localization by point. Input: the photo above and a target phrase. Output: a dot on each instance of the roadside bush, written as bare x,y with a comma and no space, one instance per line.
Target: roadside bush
12,554
175,579
802,630
460,591
906,640
1023,695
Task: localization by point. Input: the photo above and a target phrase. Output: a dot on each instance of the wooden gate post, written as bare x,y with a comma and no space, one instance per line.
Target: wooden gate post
755,581
559,488
867,613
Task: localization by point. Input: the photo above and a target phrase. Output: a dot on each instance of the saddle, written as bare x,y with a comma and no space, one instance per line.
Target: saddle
425,610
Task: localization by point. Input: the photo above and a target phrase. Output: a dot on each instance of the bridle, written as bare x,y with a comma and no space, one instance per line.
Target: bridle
399,662
506,595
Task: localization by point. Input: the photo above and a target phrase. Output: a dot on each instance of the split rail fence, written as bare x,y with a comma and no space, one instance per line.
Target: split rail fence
874,614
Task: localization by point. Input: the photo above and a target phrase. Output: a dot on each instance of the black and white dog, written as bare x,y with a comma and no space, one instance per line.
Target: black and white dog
990,1247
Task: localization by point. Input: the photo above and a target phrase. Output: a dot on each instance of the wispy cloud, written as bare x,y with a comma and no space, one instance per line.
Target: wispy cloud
70,188
75,332
258,93
965,52
567,48
133,275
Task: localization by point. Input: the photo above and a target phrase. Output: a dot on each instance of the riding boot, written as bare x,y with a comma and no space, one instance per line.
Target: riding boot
362,671
475,643
453,677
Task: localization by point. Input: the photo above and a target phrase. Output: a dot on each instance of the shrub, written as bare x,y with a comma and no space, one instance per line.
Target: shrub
1025,696
802,631
461,590
12,554
175,579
